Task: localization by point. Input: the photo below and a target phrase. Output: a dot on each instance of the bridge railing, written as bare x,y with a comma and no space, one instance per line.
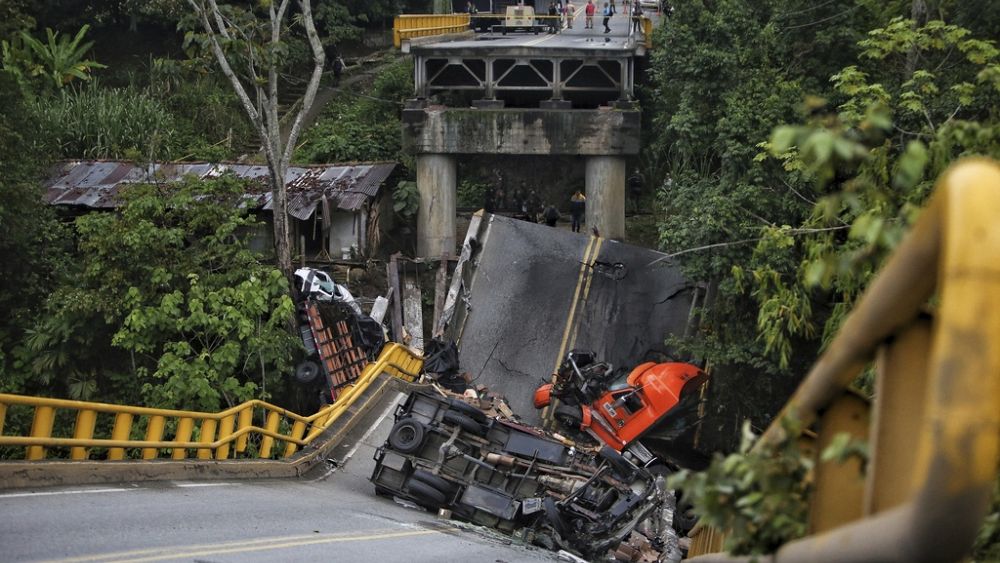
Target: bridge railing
409,26
934,425
254,429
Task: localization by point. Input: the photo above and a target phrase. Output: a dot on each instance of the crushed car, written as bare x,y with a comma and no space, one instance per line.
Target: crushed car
446,455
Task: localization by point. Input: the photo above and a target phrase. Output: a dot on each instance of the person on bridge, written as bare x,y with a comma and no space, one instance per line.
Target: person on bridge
570,13
636,16
589,12
607,17
613,10
577,206
553,17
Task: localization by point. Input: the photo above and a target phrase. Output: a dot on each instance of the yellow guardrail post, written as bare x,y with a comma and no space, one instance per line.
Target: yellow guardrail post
41,427
270,425
244,420
206,436
84,430
298,430
3,416
121,432
225,431
154,433
185,427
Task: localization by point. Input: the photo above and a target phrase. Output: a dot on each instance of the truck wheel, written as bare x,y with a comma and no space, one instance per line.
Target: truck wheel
620,465
436,481
684,518
306,372
467,409
466,423
425,494
407,435
569,417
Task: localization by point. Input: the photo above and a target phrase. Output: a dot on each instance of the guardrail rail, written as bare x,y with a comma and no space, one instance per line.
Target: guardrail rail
179,435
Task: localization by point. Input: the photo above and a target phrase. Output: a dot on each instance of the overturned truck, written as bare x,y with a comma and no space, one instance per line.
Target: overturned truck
443,453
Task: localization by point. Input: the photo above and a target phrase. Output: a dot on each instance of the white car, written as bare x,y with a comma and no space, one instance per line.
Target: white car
650,4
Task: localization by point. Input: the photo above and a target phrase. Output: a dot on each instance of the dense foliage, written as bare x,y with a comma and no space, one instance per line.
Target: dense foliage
788,241
795,143
358,128
164,306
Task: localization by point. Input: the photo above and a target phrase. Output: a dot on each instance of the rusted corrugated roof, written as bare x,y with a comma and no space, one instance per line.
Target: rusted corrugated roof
96,183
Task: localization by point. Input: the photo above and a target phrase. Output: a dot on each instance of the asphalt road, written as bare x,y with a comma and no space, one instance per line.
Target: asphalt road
334,516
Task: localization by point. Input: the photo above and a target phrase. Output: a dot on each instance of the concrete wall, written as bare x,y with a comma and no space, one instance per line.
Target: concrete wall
602,131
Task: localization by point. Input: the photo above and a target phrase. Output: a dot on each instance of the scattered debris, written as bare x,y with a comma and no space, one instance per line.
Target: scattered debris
445,454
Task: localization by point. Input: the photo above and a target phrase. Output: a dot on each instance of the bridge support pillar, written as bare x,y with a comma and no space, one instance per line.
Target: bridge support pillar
436,182
605,184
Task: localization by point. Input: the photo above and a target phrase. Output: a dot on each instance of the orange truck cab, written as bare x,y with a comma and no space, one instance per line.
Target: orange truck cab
618,411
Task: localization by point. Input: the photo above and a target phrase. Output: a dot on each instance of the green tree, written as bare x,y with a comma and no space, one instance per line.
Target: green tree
33,249
168,307
57,61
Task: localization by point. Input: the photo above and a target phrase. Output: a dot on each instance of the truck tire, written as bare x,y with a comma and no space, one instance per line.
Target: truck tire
569,417
306,372
684,518
466,423
468,410
438,482
425,495
407,435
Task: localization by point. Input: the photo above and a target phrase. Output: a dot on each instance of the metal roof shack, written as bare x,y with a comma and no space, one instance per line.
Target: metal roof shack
95,183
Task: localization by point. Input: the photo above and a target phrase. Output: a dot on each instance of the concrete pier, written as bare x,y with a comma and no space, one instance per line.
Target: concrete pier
605,181
436,182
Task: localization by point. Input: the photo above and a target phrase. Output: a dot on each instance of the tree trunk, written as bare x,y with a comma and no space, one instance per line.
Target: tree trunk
264,113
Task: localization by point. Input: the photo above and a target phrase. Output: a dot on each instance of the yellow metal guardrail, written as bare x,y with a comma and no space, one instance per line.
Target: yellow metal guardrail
219,435
934,426
408,26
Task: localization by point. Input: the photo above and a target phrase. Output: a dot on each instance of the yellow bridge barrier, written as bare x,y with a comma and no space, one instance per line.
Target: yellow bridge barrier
934,426
220,435
408,26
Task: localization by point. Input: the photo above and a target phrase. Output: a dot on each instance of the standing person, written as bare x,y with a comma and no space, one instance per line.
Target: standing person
613,10
607,18
570,13
589,11
553,17
636,16
338,70
551,215
577,206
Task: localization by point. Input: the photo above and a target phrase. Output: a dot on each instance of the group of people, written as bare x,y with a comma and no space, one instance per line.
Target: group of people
527,205
632,7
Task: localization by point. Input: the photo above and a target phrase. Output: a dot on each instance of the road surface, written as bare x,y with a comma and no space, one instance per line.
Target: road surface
332,516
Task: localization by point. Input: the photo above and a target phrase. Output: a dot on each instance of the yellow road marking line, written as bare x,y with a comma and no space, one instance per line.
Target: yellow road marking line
586,289
584,273
168,553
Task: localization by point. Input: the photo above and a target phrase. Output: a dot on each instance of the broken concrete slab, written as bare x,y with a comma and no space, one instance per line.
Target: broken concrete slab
526,294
